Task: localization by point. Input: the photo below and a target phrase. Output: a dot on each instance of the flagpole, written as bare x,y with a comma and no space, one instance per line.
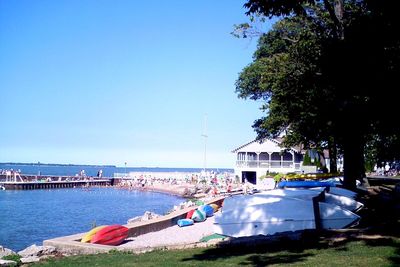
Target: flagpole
205,142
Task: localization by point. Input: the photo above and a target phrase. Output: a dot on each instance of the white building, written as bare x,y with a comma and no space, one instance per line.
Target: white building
256,159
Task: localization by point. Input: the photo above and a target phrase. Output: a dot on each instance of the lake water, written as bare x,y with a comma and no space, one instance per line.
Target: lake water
31,216
108,171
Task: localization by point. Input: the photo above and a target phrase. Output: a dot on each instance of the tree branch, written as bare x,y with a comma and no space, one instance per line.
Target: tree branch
334,17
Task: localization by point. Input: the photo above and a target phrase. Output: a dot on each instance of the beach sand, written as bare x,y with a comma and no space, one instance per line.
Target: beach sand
167,188
171,236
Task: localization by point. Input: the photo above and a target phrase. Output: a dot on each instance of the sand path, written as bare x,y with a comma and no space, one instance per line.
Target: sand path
172,236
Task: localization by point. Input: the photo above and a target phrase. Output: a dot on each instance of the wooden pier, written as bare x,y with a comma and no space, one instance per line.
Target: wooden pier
31,182
53,185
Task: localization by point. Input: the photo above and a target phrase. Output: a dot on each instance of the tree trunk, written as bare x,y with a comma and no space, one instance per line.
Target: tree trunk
332,156
353,160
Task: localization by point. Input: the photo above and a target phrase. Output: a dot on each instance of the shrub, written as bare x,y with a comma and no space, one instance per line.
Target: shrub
12,257
307,160
278,177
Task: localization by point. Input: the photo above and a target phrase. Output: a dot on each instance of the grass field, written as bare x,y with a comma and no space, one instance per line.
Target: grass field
375,242
381,251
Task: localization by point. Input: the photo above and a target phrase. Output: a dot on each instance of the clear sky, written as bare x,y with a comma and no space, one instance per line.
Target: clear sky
114,81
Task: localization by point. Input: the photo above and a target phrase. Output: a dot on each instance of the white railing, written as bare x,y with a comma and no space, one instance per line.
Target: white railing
273,164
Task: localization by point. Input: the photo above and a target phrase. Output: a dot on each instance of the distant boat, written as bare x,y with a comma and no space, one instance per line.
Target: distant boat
277,215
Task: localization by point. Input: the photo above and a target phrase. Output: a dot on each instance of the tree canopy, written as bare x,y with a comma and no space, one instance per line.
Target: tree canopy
328,72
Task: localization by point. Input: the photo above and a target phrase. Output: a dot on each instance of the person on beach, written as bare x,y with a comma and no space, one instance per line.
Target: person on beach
244,187
229,188
215,191
17,175
82,174
387,168
8,175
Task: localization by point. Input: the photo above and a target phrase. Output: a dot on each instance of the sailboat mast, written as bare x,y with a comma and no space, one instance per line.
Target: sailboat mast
205,141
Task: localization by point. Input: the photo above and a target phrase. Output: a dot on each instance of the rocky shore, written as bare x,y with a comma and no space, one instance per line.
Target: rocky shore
30,254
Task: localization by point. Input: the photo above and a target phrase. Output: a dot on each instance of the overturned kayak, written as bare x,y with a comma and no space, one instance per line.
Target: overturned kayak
270,196
280,214
305,184
342,198
330,186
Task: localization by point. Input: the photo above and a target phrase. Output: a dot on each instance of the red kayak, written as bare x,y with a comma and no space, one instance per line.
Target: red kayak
190,214
111,235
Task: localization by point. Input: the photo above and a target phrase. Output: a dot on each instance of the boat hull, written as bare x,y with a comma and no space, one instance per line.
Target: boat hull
111,235
305,184
297,193
279,216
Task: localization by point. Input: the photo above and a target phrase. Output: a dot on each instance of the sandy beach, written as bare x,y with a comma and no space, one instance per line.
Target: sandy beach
171,236
169,189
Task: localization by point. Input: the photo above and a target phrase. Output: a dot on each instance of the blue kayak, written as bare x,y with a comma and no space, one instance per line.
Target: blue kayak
185,222
305,184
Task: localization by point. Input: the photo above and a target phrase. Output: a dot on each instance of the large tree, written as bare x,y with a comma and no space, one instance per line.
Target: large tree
327,71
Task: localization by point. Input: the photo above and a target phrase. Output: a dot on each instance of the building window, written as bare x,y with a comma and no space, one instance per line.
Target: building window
287,156
264,156
251,156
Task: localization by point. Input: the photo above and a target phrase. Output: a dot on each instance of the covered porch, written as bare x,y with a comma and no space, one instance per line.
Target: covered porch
287,161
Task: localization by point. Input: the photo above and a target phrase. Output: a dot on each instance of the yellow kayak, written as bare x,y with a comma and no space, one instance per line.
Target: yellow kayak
215,207
88,236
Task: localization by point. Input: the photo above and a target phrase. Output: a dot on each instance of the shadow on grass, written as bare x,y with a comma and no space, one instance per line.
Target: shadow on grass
260,255
380,227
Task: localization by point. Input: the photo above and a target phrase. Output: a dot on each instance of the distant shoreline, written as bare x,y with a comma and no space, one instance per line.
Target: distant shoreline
111,166
54,164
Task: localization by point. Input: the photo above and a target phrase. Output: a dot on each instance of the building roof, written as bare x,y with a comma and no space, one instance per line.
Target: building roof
277,141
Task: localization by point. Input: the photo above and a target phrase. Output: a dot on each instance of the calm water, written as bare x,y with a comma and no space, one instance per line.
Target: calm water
29,217
108,171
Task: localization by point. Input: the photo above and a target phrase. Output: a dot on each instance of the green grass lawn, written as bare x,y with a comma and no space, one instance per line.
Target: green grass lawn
375,243
348,252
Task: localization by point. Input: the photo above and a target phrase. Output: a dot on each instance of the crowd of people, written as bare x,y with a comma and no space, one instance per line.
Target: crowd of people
387,169
12,175
214,184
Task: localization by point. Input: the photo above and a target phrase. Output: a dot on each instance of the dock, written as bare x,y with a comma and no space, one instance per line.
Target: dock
31,182
52,185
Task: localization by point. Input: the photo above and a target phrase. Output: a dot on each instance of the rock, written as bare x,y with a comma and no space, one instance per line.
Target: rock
45,257
29,251
148,215
37,251
7,263
135,219
30,259
5,252
48,250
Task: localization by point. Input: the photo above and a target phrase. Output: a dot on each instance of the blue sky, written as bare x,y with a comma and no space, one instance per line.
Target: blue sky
108,82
